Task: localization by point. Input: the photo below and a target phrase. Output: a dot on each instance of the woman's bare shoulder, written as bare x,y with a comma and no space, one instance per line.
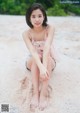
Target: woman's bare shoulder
51,27
26,33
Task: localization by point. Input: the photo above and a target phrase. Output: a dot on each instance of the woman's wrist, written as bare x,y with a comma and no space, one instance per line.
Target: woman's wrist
40,66
45,60
45,64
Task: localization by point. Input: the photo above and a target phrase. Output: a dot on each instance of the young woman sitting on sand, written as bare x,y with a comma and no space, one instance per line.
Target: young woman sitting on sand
38,39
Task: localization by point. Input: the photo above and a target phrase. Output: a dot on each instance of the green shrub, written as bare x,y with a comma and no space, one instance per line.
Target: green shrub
17,10
71,8
56,11
74,9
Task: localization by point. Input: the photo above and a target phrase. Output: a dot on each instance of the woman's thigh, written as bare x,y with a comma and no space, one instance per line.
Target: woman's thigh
29,63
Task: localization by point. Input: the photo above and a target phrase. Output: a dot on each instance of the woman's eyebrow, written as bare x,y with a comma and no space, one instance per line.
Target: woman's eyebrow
33,15
40,14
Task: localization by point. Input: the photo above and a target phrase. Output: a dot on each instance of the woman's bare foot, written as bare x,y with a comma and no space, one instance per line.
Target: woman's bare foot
34,101
43,102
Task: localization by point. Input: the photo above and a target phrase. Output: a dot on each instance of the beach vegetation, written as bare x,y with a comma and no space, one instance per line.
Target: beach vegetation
53,7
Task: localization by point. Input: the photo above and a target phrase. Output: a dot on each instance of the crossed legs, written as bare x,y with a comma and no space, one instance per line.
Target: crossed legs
39,99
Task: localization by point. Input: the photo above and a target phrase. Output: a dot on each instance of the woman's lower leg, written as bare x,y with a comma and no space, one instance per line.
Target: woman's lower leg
44,91
35,84
35,77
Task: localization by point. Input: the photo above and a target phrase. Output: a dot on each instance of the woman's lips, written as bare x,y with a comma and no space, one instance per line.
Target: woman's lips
37,23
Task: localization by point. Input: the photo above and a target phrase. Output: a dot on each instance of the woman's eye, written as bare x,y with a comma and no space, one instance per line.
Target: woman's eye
33,16
40,16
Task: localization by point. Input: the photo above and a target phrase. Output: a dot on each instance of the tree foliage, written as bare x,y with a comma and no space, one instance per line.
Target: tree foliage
56,10
53,7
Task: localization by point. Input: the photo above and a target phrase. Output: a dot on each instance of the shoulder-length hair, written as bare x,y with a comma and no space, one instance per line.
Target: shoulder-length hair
35,6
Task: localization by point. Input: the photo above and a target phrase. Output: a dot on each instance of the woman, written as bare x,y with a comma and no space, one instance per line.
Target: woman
38,39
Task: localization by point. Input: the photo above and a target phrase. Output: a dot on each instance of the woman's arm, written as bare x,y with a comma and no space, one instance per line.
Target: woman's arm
48,45
31,48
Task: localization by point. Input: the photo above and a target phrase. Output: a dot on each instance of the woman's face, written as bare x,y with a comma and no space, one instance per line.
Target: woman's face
37,18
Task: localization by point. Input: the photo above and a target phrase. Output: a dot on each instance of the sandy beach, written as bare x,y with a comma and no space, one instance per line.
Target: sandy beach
65,81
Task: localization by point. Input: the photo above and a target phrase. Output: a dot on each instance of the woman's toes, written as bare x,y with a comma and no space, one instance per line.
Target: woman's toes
43,105
34,102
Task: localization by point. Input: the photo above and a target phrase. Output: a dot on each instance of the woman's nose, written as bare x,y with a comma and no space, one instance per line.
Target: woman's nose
37,19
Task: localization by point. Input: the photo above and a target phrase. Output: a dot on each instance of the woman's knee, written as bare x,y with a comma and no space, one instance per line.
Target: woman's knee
30,63
34,64
34,68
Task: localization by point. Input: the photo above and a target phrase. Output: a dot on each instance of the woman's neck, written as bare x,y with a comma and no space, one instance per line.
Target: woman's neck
39,29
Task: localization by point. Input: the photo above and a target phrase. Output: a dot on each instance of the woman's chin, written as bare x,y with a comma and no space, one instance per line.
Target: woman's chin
37,25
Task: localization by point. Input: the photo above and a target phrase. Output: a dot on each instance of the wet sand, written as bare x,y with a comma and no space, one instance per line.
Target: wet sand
65,79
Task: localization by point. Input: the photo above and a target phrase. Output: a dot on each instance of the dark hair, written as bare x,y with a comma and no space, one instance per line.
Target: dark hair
32,8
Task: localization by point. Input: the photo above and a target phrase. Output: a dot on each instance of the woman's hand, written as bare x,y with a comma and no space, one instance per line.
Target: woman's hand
44,75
